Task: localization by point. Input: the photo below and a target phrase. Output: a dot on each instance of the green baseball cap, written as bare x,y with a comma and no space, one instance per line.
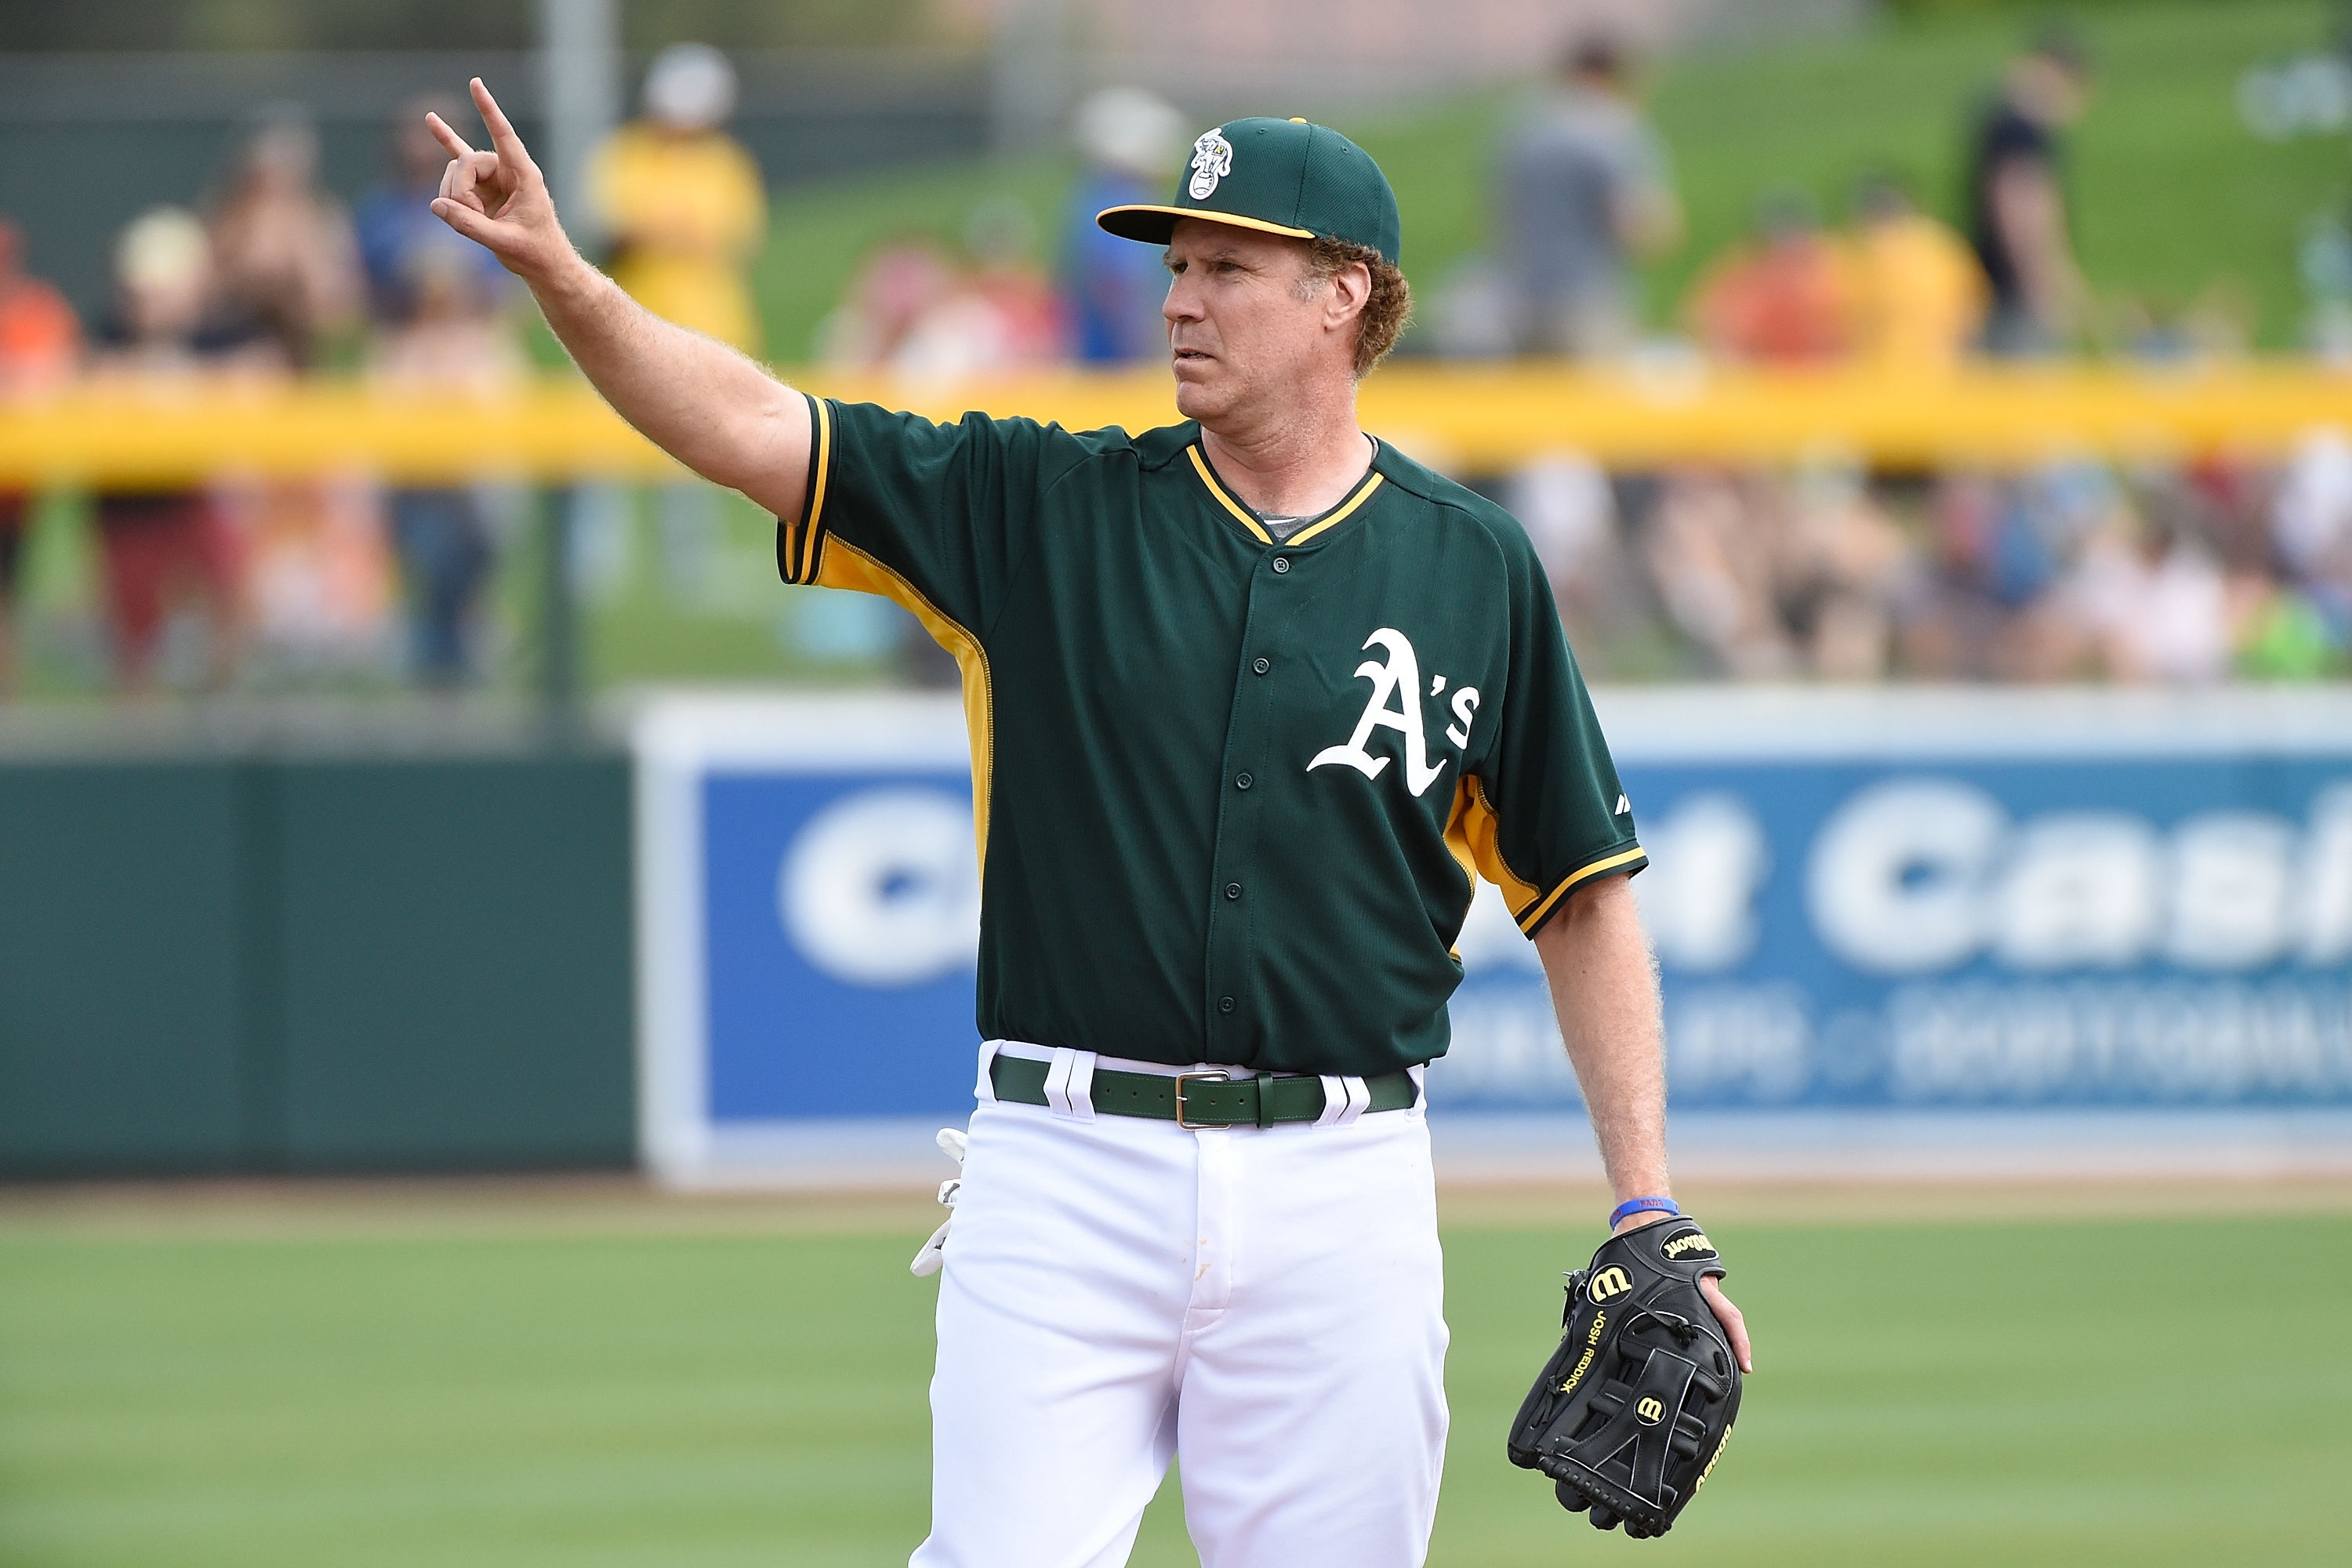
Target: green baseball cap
1283,177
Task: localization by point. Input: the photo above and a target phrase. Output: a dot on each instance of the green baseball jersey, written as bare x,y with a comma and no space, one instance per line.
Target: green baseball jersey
1231,795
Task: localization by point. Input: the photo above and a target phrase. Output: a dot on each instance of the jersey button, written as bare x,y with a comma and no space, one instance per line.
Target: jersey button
1282,563
1225,1004
1262,665
1243,781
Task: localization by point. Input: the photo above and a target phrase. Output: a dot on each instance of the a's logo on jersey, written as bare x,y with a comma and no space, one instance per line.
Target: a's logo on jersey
1395,705
1624,805
1212,159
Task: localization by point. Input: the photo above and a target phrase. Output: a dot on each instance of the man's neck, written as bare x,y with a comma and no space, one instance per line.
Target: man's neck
1297,468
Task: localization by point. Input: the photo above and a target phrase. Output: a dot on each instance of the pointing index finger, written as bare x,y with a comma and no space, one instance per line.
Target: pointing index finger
502,131
442,133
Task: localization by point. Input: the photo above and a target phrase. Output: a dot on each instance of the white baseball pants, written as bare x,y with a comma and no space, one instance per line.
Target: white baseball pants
1118,1290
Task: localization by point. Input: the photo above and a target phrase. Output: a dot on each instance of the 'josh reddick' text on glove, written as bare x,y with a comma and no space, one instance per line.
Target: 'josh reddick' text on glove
1634,1409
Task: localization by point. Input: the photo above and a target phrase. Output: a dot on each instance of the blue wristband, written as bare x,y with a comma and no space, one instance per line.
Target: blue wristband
1617,1216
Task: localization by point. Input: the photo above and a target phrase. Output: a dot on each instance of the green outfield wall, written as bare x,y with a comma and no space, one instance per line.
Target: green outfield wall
244,963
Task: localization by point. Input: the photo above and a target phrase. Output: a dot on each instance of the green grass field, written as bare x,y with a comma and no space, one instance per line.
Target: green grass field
570,1386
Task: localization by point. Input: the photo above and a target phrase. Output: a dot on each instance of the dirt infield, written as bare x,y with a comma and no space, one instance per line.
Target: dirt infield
626,1204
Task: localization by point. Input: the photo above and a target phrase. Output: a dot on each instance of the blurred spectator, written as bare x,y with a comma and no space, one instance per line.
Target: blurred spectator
1782,298
282,250
1583,192
898,284
1843,570
2017,203
1770,576
163,546
685,206
393,221
1128,139
1919,294
40,348
455,337
1569,509
285,259
1710,544
437,299
683,200
2152,596
2310,521
1003,315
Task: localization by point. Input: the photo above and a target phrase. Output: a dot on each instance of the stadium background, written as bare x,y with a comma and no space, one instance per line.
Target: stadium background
332,1027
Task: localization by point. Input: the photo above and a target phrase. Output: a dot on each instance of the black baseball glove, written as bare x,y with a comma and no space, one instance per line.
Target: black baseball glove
1633,1410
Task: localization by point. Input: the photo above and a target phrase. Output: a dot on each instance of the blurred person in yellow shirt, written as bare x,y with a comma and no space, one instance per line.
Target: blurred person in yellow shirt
1919,295
684,204
683,200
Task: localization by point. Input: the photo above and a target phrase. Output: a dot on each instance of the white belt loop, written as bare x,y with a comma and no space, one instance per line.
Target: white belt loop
985,1089
1344,1099
1070,1084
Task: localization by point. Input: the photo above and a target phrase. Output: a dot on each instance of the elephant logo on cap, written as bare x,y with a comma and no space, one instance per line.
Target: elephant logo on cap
1212,159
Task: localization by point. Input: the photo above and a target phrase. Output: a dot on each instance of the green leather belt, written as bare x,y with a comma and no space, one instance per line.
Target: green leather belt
1198,1098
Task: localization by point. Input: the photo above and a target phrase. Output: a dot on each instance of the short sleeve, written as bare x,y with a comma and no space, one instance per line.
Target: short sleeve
935,516
1541,811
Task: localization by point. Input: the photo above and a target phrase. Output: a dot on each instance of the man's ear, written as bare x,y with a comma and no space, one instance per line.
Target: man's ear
1352,289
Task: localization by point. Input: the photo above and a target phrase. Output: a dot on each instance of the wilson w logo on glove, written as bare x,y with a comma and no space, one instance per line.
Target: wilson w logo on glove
1635,1405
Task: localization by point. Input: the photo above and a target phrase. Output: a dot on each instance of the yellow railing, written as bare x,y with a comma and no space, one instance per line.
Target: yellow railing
1473,417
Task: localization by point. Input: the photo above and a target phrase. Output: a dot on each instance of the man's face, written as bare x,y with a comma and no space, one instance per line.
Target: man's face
1239,333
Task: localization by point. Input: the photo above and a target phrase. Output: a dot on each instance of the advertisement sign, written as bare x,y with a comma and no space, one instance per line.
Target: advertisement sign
1869,897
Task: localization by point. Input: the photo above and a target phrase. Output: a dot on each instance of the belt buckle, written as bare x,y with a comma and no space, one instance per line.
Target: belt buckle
1213,1075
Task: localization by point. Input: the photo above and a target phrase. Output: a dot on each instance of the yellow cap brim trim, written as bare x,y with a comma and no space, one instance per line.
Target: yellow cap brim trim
1151,232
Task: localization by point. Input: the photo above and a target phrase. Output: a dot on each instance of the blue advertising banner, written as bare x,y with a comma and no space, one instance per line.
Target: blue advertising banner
2163,930
843,911
1856,899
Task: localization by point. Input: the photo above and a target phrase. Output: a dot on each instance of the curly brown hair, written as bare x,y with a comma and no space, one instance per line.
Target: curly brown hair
1386,311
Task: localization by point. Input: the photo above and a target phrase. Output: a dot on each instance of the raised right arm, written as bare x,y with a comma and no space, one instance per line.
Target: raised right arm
704,403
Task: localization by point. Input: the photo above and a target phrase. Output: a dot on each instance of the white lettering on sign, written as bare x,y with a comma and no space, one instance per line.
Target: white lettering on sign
1896,883
2082,889
1917,875
880,888
1708,858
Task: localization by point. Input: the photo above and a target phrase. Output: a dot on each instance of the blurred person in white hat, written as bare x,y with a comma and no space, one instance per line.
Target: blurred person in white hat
1129,139
683,200
684,203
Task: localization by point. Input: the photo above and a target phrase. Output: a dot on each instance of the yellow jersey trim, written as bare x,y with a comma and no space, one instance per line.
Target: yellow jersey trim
1458,830
822,436
1534,917
1241,514
1335,519
1237,219
1472,833
847,566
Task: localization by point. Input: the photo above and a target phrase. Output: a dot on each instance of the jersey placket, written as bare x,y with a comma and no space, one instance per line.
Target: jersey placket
1232,956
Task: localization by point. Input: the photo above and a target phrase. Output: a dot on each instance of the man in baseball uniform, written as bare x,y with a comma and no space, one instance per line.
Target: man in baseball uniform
1254,700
